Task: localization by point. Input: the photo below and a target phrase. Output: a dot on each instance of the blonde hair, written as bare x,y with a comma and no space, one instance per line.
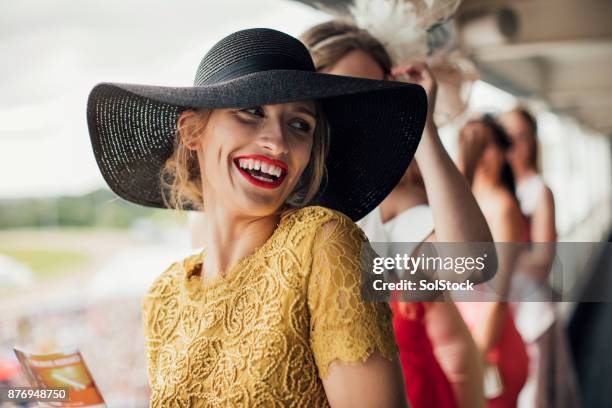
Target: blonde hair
329,42
181,181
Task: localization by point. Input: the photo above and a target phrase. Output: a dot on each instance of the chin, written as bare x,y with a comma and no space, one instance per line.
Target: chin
260,205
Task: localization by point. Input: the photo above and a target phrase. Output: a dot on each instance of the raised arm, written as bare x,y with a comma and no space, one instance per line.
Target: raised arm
456,214
457,217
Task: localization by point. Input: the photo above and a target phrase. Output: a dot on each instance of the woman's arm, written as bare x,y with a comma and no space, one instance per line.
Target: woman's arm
377,382
457,216
543,232
508,228
456,353
352,339
543,228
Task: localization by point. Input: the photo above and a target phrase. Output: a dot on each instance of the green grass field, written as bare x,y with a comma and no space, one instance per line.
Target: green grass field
46,263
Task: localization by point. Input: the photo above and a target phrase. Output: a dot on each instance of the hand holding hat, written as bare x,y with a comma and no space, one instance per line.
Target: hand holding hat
419,73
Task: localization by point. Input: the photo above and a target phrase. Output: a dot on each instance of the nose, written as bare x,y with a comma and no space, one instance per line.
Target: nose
272,138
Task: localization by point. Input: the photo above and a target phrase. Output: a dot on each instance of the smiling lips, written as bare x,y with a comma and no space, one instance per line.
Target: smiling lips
261,170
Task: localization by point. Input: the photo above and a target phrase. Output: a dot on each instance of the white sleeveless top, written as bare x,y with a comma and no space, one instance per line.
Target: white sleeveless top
413,225
401,234
528,193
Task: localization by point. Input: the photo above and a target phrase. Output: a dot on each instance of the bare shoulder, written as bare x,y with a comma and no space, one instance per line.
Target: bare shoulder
506,222
506,203
547,198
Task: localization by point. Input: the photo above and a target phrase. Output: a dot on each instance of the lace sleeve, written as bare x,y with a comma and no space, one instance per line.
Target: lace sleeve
343,326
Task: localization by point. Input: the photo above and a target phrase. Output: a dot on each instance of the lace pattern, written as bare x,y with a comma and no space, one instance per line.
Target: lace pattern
266,334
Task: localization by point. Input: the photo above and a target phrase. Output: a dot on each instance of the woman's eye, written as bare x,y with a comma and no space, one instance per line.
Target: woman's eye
255,111
300,125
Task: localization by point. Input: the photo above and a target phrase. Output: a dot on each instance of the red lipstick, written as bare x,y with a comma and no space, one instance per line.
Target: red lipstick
256,181
268,160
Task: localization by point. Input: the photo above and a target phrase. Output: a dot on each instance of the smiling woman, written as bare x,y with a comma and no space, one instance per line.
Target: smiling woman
308,140
270,313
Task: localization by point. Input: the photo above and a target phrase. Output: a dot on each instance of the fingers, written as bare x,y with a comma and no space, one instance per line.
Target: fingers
420,74
417,69
408,68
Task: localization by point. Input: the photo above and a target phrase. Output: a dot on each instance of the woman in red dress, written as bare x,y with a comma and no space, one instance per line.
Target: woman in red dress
483,147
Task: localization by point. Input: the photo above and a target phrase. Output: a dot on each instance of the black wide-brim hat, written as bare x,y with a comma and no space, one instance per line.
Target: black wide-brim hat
375,126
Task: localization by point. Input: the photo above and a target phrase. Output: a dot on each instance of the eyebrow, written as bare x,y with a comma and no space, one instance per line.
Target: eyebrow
305,110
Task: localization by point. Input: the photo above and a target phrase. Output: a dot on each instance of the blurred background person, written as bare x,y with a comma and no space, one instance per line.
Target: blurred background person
535,197
439,358
538,322
483,146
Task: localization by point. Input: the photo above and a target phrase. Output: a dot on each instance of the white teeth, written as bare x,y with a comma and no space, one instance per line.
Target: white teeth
272,170
262,178
251,164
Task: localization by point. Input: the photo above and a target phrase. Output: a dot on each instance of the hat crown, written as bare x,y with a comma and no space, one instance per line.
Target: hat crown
252,50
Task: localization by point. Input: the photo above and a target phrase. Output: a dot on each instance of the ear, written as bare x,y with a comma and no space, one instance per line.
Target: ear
187,125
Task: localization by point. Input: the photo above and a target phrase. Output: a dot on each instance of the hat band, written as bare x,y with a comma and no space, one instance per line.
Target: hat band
254,64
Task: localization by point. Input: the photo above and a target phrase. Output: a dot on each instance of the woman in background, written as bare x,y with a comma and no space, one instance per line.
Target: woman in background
535,197
483,146
538,323
432,202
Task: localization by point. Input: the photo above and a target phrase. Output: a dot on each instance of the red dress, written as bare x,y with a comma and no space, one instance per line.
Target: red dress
509,354
426,383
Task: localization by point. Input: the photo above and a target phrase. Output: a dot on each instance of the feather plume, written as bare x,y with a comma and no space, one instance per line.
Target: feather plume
395,24
421,30
402,25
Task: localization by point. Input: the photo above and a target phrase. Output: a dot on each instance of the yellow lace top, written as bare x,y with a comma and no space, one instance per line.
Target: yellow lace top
266,334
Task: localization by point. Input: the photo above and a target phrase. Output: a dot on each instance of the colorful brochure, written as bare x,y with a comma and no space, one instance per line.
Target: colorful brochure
62,369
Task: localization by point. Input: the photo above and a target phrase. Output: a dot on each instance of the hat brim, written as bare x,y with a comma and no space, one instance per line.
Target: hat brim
375,130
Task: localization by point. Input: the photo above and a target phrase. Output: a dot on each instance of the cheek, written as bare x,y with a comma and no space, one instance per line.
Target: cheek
491,155
213,160
301,151
222,137
524,149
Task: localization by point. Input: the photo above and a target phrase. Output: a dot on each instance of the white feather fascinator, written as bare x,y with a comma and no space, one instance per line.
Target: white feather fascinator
422,30
410,30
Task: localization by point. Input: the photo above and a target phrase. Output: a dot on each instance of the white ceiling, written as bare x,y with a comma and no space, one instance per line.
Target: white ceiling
561,52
